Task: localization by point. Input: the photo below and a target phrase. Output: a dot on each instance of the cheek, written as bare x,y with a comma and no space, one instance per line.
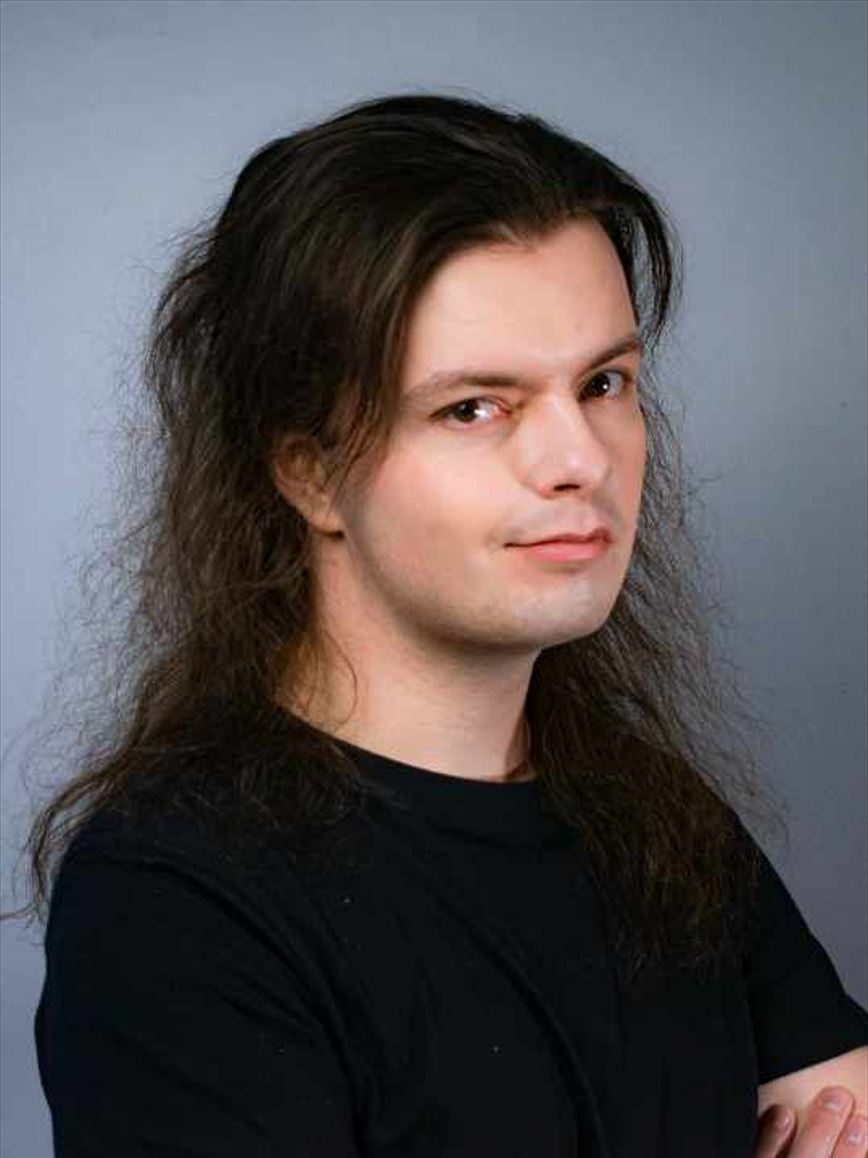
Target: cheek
419,512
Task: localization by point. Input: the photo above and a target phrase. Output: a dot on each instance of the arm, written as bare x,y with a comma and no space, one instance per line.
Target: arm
809,1033
171,1022
799,1089
820,1128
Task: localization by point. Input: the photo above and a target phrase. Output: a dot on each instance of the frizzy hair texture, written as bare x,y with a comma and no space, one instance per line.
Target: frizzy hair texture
284,321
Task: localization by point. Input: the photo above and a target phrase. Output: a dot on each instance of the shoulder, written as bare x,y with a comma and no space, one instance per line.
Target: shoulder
186,995
180,842
162,874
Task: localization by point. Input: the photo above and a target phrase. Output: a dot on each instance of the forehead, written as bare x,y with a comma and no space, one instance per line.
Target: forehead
527,309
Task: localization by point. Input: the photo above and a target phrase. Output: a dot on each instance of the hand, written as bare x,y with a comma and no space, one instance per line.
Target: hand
825,1132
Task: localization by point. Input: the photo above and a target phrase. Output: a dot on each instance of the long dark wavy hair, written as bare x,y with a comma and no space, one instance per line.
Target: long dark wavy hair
285,315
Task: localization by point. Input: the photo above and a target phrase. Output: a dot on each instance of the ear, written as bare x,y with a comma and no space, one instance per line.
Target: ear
299,473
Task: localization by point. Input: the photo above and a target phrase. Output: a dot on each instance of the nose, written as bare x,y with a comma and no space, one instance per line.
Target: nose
563,446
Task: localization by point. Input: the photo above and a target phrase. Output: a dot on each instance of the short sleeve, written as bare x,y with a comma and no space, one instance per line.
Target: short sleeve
170,1023
800,1011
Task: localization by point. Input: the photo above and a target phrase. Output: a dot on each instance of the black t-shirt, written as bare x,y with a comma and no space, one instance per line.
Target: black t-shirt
442,992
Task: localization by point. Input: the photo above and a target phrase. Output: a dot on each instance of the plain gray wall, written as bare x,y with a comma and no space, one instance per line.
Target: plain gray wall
125,121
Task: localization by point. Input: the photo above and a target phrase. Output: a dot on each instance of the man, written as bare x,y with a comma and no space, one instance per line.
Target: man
530,938
428,575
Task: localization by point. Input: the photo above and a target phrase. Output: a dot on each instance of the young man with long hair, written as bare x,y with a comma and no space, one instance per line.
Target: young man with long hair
422,834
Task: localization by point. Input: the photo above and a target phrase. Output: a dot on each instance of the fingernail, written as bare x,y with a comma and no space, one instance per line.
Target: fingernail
858,1132
783,1121
834,1099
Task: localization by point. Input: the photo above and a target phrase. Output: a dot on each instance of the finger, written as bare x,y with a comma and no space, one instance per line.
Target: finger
824,1123
853,1141
776,1126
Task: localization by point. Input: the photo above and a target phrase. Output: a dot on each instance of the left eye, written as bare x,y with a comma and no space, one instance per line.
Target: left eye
603,373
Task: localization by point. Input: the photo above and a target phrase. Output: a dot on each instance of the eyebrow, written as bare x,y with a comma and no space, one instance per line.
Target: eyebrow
443,380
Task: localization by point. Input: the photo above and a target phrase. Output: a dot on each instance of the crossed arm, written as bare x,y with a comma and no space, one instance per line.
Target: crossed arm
818,1129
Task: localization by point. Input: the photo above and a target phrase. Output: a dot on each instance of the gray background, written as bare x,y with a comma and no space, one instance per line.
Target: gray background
124,122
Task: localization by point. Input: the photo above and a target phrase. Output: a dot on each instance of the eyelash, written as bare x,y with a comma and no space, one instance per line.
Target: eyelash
629,381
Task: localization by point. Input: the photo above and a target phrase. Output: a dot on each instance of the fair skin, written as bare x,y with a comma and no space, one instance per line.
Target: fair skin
416,569
442,618
827,1106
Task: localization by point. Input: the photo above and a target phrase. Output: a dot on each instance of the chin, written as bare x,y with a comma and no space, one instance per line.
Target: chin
583,632
581,629
555,636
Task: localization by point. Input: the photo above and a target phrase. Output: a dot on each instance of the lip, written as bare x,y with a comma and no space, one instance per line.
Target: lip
567,550
600,532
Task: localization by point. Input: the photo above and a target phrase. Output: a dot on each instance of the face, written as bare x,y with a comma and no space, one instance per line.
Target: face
471,471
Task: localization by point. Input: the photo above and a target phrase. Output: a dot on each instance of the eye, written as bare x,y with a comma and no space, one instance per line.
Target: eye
626,381
464,409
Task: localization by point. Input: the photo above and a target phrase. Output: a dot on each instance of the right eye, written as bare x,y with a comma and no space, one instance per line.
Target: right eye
465,409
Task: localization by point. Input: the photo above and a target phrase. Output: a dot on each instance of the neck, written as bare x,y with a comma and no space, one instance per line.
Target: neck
462,715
